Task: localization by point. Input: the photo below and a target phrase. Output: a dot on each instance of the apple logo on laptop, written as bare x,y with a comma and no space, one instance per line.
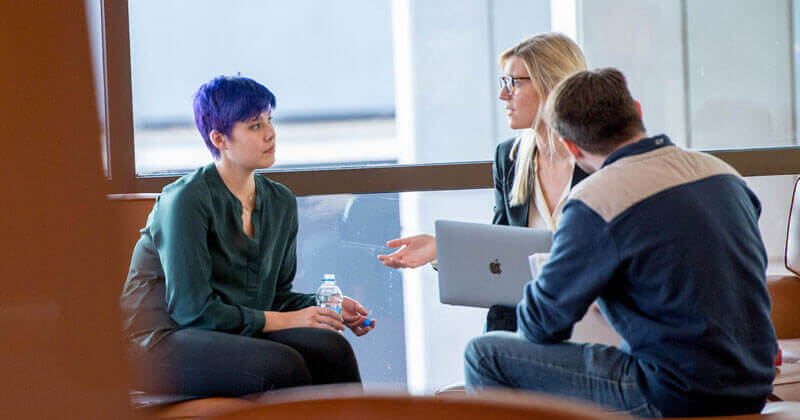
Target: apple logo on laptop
494,267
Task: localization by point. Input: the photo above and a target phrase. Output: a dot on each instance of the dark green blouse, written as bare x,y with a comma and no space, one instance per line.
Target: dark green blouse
194,267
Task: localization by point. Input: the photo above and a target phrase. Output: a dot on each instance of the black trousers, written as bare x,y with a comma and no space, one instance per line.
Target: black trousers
501,318
211,363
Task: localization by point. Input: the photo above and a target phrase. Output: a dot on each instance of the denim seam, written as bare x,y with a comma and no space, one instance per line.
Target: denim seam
561,369
649,407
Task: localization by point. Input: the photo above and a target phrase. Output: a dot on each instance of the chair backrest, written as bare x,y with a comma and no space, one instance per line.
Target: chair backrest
792,254
129,214
345,404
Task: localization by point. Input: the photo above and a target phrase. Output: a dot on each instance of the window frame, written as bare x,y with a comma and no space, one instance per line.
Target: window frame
358,180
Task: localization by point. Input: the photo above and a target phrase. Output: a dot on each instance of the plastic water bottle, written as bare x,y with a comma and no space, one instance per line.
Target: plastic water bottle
329,295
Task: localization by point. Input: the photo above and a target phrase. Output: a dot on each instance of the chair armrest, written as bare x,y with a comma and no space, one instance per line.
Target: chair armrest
785,294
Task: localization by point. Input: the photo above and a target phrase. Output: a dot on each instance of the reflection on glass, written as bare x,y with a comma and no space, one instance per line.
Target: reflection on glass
343,234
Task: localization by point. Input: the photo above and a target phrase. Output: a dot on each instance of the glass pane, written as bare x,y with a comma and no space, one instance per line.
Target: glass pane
375,82
708,79
775,194
418,343
343,234
437,334
329,64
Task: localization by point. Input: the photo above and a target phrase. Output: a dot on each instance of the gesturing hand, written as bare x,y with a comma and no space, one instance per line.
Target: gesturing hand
416,251
354,315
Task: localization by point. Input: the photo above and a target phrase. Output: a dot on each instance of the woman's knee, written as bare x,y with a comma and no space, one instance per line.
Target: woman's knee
284,368
333,342
318,343
332,359
328,355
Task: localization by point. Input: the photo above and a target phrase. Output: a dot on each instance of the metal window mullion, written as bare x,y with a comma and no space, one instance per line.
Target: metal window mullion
119,104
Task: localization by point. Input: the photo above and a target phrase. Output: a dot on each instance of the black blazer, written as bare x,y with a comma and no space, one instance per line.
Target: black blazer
501,317
503,173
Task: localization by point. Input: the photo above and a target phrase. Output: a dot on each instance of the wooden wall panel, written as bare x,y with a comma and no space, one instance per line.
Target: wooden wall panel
62,349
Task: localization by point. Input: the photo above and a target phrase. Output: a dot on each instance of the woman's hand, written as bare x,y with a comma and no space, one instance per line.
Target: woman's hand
416,251
354,315
313,316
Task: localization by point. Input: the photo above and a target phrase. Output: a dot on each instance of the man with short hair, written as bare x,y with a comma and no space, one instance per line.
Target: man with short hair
667,241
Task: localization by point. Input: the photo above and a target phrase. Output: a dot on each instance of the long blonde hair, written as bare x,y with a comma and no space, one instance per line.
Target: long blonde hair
549,57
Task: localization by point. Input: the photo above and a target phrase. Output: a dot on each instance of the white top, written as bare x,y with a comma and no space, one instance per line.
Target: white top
538,215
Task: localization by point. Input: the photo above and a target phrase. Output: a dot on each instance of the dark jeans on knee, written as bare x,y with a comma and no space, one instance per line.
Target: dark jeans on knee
212,363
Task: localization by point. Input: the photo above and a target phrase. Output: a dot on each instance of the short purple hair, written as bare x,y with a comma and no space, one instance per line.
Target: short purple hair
224,101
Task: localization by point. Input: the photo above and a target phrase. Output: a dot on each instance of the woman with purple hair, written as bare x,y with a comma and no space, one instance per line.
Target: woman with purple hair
208,304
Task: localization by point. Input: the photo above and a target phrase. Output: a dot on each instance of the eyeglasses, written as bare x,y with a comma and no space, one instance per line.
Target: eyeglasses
509,83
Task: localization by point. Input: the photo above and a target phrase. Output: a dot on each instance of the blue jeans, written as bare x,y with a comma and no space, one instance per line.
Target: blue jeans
597,373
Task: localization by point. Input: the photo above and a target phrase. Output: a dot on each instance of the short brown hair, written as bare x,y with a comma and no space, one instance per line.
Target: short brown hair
594,110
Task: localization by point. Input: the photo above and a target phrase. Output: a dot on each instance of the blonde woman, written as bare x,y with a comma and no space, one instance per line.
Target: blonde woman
533,172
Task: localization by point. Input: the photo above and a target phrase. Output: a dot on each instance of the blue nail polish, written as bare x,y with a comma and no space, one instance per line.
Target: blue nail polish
367,322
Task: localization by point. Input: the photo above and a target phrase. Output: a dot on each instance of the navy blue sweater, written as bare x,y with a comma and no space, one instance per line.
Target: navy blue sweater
668,240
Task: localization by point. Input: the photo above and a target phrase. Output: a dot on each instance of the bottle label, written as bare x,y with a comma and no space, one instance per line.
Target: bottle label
337,308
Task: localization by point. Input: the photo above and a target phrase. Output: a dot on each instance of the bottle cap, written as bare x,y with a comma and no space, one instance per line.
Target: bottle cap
329,277
367,322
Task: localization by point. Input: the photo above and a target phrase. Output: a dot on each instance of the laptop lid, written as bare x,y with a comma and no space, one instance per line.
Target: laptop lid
482,264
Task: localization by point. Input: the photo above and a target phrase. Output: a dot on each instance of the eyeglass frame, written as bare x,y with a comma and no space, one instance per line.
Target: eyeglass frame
506,81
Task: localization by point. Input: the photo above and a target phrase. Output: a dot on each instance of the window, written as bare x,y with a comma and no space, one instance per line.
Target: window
413,83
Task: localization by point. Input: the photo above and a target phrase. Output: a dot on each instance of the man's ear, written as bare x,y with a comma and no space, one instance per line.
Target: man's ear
571,148
219,140
638,107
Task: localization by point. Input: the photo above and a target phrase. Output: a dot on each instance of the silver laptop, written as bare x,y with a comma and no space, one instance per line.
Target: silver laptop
483,265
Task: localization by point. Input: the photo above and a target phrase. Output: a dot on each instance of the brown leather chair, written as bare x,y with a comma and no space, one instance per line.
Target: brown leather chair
130,213
347,403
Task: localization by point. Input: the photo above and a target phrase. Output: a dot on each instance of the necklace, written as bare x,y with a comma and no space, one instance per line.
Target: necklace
250,203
